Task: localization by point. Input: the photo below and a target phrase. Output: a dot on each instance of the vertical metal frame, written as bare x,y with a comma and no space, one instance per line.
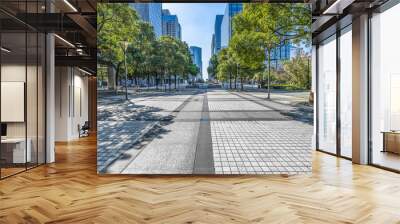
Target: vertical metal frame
26,86
316,96
37,91
338,76
0,91
369,78
44,72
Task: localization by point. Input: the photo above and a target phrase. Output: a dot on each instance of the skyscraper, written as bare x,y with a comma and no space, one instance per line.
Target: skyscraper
278,54
196,58
213,45
152,13
170,25
217,33
226,25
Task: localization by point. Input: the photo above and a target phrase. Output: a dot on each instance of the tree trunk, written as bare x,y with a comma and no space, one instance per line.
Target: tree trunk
164,83
269,74
156,82
235,81
169,82
230,80
117,77
111,78
175,82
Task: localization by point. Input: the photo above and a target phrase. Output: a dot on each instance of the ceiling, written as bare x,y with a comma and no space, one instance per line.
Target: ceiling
330,15
73,22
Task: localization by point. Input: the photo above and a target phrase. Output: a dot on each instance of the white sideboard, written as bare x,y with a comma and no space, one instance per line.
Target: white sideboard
18,149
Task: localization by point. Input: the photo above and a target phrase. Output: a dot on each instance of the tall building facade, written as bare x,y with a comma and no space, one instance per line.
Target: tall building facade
170,25
196,58
281,54
213,45
226,25
151,13
278,55
217,33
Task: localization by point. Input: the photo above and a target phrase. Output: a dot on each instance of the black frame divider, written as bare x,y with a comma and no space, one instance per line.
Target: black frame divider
0,96
338,76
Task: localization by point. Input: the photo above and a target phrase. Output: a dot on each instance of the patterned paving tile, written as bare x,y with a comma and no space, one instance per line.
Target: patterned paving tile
261,147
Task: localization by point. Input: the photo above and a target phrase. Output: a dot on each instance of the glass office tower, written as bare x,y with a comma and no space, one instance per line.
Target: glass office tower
226,26
152,13
217,33
196,58
170,25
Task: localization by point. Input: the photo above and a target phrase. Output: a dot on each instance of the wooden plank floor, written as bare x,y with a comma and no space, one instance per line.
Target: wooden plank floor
70,191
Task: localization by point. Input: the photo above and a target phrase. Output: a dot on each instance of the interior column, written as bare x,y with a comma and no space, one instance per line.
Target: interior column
360,90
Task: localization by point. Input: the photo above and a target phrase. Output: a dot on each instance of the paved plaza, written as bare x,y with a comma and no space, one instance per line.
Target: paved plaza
213,131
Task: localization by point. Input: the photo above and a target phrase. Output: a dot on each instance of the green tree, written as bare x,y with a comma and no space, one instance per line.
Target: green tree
227,66
122,36
212,68
298,71
261,27
117,23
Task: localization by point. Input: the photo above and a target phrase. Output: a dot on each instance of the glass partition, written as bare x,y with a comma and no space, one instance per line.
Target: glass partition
346,92
13,94
385,89
327,97
32,98
22,101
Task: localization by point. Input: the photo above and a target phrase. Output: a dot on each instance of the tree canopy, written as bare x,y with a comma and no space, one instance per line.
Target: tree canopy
257,31
122,34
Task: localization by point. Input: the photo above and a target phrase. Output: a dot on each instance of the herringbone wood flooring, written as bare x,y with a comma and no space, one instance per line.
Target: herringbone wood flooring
70,191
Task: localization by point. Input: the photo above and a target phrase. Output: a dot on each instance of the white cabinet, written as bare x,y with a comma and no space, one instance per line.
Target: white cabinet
17,148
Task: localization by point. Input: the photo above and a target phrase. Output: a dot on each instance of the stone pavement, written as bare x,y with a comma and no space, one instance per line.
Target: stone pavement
230,132
121,124
261,147
251,135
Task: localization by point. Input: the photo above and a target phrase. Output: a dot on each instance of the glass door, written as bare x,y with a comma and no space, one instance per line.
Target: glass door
385,89
327,95
346,92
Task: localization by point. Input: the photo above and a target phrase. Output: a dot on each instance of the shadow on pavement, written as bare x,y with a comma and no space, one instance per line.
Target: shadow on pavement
125,128
300,111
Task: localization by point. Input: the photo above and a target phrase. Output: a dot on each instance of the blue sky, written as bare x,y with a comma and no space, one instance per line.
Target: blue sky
197,23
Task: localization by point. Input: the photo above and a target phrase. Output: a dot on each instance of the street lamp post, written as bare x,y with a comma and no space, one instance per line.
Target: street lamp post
237,73
268,52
